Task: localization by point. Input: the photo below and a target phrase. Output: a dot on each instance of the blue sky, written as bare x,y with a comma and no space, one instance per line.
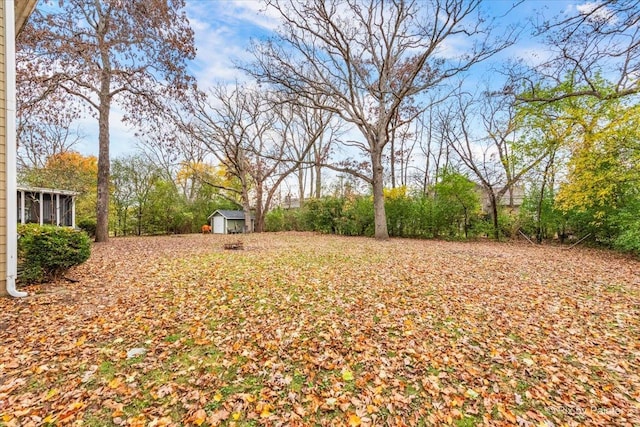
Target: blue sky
223,30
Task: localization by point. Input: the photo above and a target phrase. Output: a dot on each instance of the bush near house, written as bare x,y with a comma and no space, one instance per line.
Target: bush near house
47,252
88,225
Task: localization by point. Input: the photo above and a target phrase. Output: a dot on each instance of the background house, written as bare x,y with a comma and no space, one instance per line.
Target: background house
229,222
290,202
512,199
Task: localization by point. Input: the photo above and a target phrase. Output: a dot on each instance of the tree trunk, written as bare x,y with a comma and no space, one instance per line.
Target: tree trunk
425,180
379,214
494,214
539,213
539,231
246,206
259,210
466,223
392,161
102,206
301,185
318,171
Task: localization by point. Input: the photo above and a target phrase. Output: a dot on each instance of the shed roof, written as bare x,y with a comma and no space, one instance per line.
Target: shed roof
229,214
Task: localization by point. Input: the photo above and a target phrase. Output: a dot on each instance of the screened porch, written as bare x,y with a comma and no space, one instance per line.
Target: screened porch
46,206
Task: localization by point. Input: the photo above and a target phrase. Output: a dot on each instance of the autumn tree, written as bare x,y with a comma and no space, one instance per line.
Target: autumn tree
551,125
456,200
603,169
68,170
107,52
136,178
229,126
369,58
41,135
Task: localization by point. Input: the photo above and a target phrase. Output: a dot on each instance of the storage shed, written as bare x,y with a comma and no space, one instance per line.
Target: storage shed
229,222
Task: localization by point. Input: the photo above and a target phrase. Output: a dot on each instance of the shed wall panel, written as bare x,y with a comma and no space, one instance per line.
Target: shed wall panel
218,225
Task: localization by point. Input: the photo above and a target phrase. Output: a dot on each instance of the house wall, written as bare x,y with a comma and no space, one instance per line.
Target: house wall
3,162
13,16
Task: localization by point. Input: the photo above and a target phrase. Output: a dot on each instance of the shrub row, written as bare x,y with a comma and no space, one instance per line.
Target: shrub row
419,216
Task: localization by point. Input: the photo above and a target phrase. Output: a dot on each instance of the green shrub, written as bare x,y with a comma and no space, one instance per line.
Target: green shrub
627,228
47,252
274,220
357,217
322,214
88,225
629,240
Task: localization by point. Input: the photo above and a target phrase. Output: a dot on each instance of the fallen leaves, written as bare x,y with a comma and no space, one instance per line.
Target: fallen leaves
300,329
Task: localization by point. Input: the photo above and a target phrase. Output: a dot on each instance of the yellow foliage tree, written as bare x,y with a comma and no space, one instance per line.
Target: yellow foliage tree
69,171
605,157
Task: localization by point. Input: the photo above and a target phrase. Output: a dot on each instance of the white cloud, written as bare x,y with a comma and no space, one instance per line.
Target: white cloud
256,13
223,31
122,139
596,12
535,55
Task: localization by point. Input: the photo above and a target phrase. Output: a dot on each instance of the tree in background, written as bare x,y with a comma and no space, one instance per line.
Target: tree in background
586,42
103,52
369,59
601,186
136,179
309,136
499,155
247,131
548,124
41,135
69,170
457,201
121,198
232,125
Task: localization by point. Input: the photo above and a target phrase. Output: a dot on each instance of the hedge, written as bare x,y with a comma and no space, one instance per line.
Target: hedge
47,252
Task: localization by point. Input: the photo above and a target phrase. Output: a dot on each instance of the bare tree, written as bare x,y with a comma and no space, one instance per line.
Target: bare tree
401,145
247,132
40,137
498,157
228,125
435,151
595,40
41,134
102,52
308,143
369,58
174,151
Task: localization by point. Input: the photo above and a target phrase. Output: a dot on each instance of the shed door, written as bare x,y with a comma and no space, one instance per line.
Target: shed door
218,224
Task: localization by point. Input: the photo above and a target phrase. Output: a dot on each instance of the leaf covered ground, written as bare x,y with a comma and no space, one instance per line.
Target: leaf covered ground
303,329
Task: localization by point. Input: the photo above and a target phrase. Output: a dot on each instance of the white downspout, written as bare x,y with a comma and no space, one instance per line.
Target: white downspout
10,157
